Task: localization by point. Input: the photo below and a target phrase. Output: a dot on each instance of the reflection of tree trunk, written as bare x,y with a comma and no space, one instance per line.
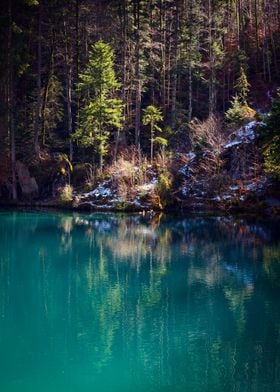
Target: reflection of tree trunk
38,104
11,104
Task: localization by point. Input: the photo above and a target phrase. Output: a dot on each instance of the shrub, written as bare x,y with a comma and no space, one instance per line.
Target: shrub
128,172
164,184
66,194
271,152
239,113
208,134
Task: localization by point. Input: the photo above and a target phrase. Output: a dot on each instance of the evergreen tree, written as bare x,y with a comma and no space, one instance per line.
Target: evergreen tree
152,116
242,86
101,113
239,113
271,139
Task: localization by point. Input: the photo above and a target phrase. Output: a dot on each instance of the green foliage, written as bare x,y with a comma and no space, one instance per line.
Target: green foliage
272,122
234,114
53,112
101,113
161,141
242,87
239,113
152,116
271,154
271,140
98,78
97,118
164,185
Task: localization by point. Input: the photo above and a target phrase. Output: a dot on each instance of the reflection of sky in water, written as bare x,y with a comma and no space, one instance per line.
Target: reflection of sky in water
110,303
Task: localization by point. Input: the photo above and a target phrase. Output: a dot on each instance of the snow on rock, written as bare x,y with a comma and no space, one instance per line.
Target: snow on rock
244,135
102,190
191,155
257,186
105,197
224,197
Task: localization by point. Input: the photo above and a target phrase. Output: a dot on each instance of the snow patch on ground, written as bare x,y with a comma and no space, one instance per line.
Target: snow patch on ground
244,135
102,190
191,155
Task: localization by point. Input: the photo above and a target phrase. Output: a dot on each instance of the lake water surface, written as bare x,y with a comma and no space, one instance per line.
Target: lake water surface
96,302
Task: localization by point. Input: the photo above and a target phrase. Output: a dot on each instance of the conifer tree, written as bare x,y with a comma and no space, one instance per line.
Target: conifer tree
152,116
101,113
242,86
271,139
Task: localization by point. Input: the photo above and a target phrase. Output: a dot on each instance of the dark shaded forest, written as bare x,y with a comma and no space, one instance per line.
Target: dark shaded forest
85,82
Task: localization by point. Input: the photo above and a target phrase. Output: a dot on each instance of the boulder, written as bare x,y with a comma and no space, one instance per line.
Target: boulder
28,184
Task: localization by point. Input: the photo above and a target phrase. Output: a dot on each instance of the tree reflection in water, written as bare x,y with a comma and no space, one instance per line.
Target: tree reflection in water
163,302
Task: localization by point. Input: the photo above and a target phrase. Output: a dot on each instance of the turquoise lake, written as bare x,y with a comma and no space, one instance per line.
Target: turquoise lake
104,302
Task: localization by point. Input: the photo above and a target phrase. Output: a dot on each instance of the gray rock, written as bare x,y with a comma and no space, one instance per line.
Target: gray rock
28,184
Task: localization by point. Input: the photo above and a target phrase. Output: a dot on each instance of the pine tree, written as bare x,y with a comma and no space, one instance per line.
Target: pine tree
242,86
271,139
101,113
152,116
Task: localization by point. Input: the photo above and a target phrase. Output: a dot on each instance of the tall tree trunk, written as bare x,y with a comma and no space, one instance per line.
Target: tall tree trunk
152,142
138,113
39,66
68,71
190,71
190,92
69,109
11,103
163,56
77,17
212,81
138,97
175,71
46,90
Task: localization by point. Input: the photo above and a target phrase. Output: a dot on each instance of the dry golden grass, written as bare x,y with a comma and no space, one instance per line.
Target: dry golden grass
128,173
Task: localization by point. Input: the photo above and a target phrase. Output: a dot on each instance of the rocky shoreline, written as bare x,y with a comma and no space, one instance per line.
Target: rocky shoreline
228,179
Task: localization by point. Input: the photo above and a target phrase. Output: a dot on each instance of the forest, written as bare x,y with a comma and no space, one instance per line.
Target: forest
142,101
139,195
